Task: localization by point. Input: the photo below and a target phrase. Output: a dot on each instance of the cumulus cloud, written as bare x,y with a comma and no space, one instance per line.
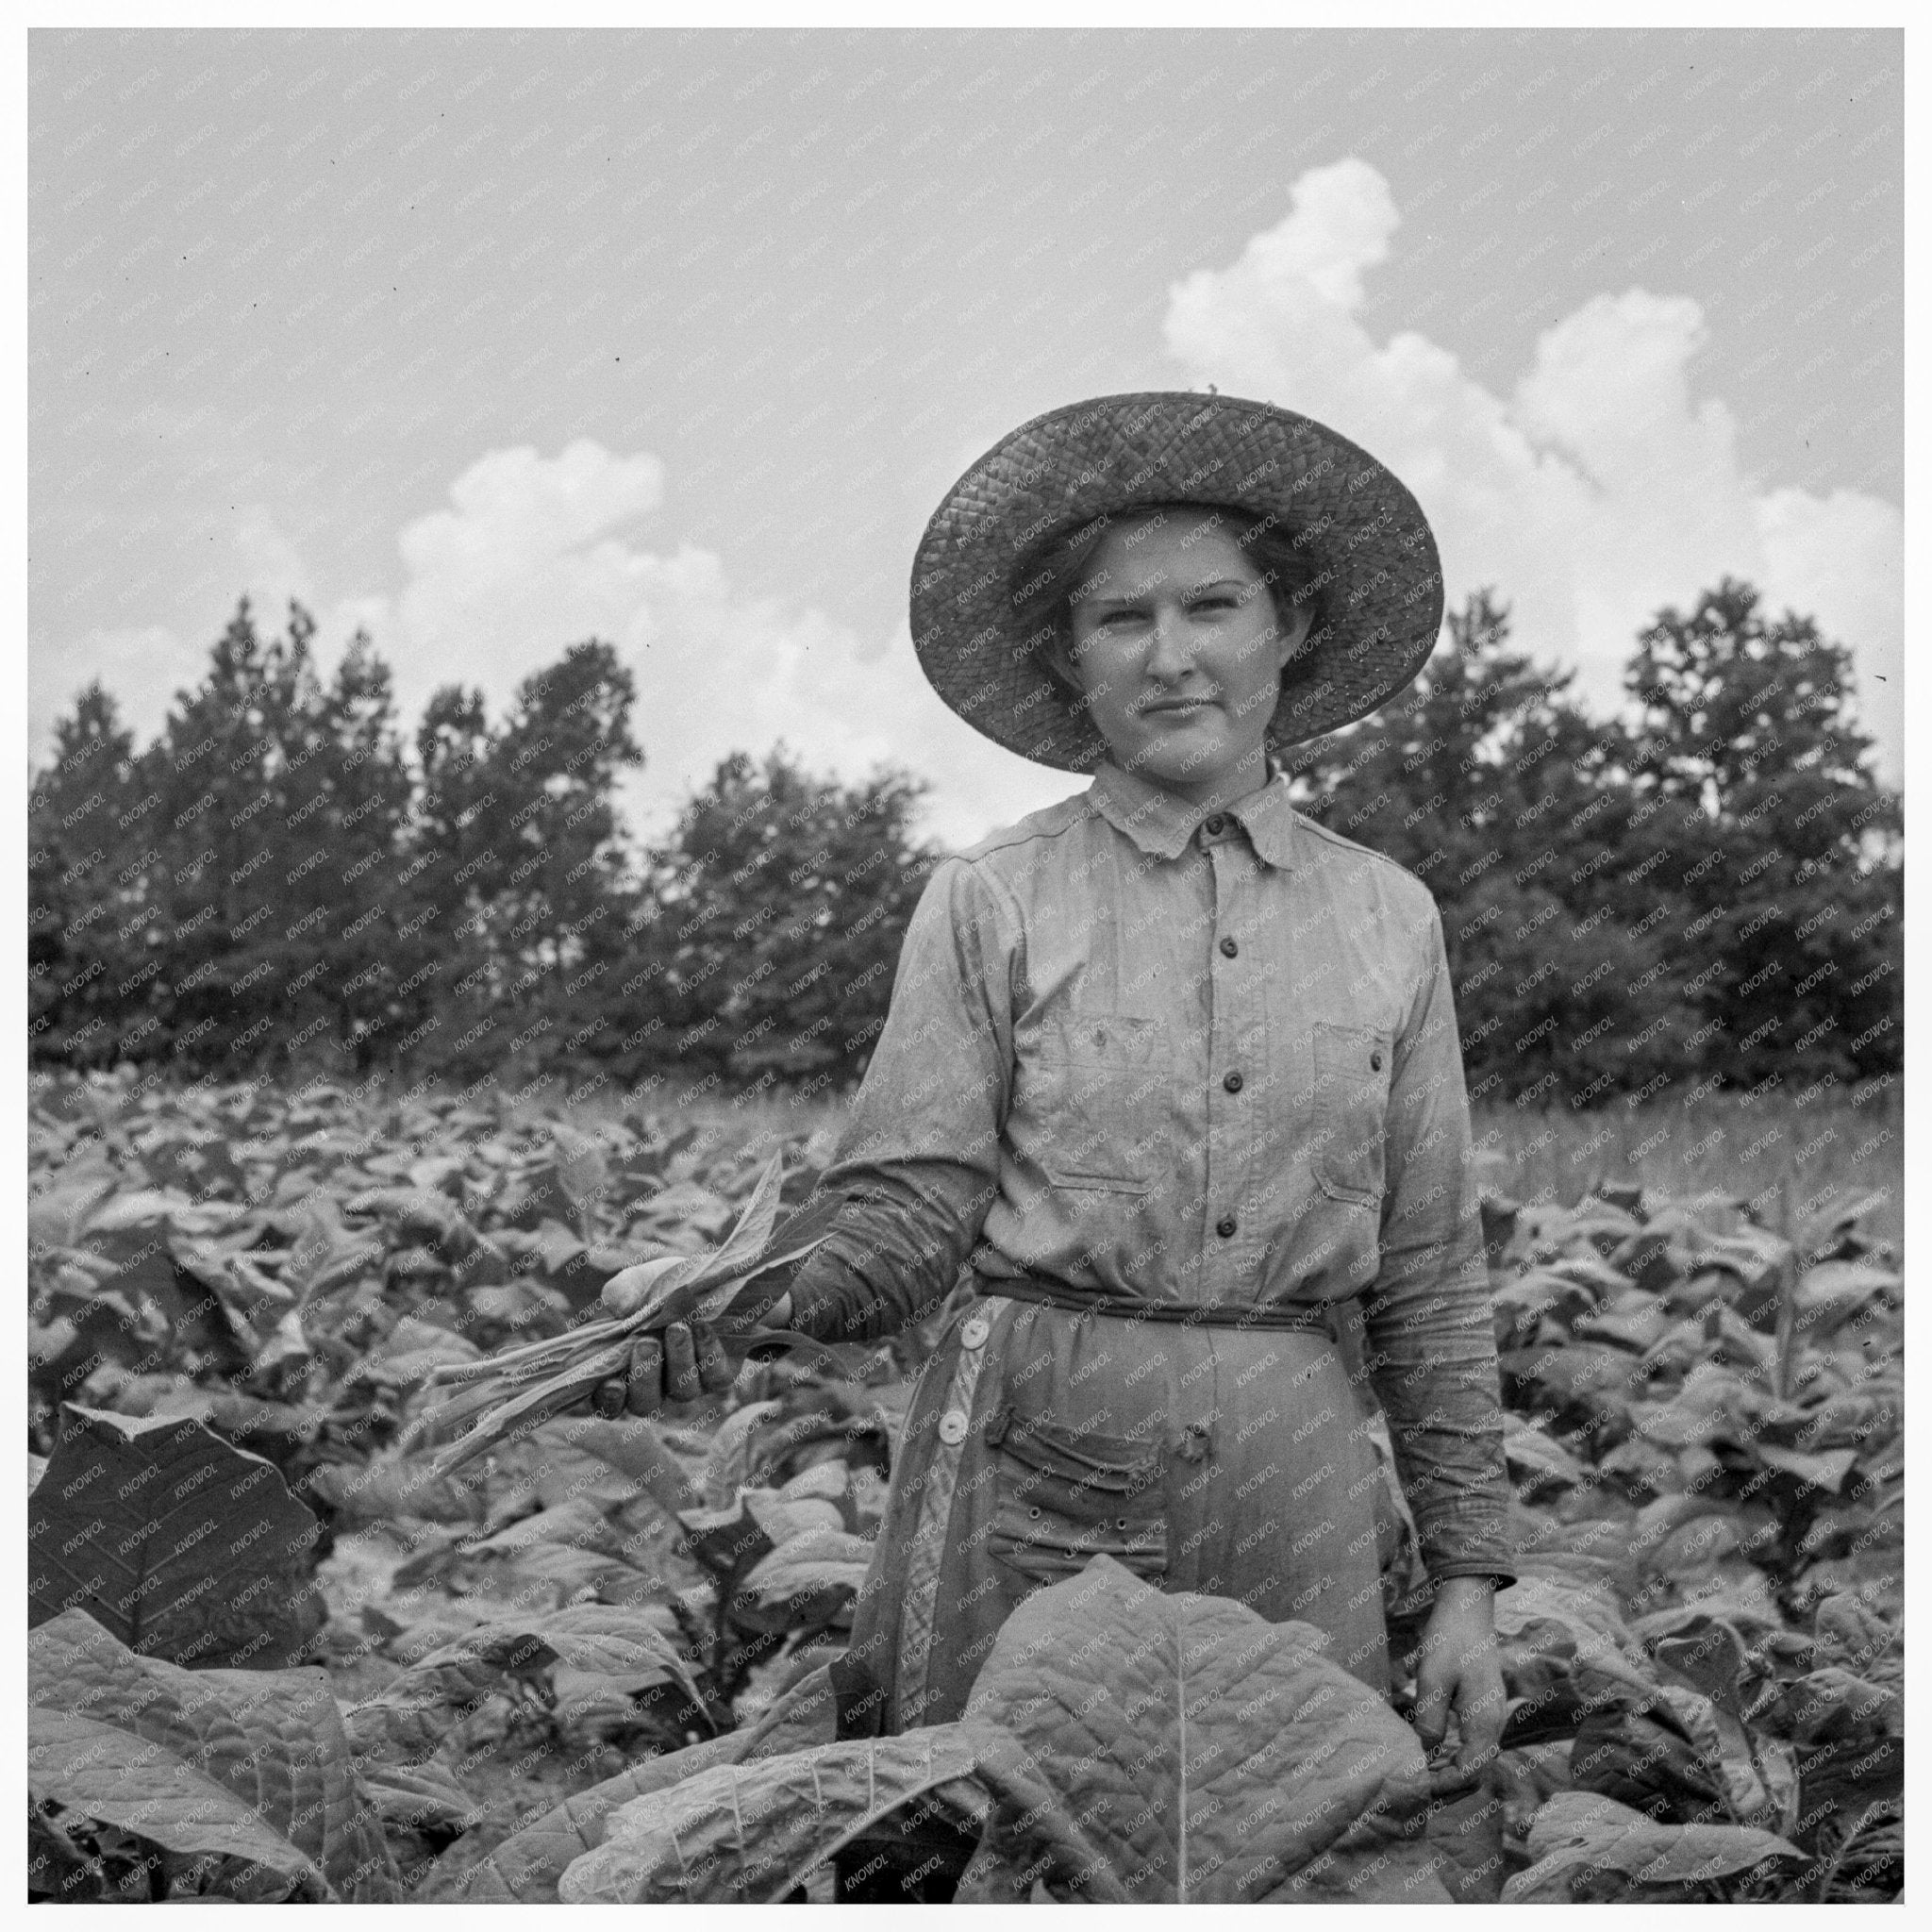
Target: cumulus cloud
269,567
536,553
1599,489
533,553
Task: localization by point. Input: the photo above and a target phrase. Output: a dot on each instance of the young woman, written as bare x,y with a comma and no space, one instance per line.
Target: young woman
1170,1071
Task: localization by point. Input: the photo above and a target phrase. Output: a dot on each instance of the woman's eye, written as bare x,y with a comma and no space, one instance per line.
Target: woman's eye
1222,601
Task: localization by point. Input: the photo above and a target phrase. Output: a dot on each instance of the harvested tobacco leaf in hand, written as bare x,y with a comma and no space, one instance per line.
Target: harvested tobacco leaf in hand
730,1288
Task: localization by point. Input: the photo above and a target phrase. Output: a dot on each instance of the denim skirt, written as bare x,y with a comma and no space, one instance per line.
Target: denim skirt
1235,1461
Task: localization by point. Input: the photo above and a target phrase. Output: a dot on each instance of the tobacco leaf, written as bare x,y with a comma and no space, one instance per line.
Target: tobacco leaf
97,1771
1582,1843
416,1710
1209,1755
182,1545
751,1832
1839,1781
389,1488
1831,1704
1120,1744
420,1797
1852,1633
632,1446
583,1170
1538,1466
808,1581
156,1738
1833,1293
520,1388
527,1866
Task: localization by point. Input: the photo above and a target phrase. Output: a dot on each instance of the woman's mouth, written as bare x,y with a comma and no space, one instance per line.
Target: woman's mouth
1167,707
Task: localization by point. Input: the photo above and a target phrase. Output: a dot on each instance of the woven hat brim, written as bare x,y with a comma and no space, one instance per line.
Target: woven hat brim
1374,556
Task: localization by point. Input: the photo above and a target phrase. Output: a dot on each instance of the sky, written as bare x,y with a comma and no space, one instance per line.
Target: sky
488,342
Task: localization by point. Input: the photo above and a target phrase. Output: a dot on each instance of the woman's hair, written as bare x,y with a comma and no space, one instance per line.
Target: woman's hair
1047,581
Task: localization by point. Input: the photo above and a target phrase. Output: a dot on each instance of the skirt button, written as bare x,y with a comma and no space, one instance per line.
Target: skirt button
953,1426
973,1334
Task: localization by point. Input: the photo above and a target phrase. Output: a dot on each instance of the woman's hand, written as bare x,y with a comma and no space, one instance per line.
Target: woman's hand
1460,1672
683,1364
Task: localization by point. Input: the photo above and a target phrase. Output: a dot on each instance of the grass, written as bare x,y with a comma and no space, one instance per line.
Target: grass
1782,1153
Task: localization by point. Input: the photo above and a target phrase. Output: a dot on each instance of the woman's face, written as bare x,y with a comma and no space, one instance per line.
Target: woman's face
1176,646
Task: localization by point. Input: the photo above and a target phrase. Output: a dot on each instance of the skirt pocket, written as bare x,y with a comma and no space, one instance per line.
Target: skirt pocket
1063,1496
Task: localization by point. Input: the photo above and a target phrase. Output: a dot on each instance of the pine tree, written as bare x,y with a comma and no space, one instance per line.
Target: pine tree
83,814
282,803
519,858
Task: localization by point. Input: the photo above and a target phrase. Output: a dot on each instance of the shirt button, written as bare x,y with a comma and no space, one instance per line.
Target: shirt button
973,1334
1215,825
1225,1228
1233,1083
1229,948
1375,1062
953,1426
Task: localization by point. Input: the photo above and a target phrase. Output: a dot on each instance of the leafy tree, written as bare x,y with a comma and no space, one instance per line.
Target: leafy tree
1483,755
1713,891
1486,781
1773,835
778,909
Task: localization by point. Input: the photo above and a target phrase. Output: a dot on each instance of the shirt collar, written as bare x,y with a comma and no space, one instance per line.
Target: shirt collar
1162,825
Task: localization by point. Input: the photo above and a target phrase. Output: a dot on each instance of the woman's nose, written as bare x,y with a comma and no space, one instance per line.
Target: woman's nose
1170,649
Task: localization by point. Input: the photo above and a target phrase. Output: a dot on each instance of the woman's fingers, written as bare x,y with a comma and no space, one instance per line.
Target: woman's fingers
646,1393
1481,1704
681,1383
1473,1687
1432,1686
716,1372
683,1363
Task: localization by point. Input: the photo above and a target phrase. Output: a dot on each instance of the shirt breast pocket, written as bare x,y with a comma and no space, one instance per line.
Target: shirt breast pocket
1352,1073
1105,1082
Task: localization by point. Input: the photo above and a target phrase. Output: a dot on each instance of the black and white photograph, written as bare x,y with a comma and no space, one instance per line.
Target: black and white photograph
965,963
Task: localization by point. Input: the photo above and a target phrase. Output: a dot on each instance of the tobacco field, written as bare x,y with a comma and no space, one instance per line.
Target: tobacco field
276,1655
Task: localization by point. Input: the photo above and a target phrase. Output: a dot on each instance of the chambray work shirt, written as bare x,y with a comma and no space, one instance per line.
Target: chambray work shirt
1140,1050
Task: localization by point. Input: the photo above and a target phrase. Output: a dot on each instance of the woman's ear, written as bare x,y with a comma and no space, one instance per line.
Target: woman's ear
1288,639
1059,661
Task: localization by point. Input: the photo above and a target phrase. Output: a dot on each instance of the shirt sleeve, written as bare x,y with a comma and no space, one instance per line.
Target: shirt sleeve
918,1163
1427,1321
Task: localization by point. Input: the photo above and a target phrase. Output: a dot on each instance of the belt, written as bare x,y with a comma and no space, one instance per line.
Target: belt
1127,1308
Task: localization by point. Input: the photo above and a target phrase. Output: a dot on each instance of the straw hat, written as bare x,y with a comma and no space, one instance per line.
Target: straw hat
1377,611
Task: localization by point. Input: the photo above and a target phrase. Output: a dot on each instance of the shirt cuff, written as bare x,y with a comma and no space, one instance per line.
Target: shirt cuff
832,1302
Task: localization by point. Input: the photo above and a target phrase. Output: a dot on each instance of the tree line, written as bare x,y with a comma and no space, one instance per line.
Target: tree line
284,880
